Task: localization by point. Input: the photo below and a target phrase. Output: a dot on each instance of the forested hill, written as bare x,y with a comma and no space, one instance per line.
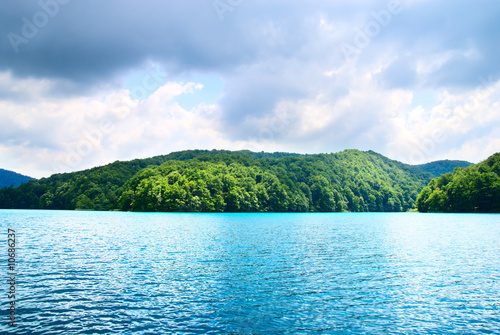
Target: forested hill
438,168
475,189
225,181
10,178
100,184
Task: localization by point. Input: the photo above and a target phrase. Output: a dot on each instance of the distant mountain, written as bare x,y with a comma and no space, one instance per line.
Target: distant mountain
10,178
438,168
474,189
231,181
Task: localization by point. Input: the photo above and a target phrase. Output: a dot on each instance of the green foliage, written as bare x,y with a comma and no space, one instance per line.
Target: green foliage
101,185
225,181
475,189
438,168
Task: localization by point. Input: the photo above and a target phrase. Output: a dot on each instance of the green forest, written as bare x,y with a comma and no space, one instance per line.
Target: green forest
438,168
245,181
225,181
475,189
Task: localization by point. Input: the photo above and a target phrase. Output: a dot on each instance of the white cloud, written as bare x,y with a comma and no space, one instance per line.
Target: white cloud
462,126
27,88
69,134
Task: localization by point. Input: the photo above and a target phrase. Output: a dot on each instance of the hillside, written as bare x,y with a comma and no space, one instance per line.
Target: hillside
10,178
101,184
225,181
475,189
438,168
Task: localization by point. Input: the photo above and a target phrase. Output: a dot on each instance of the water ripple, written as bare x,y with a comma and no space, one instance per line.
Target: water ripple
131,273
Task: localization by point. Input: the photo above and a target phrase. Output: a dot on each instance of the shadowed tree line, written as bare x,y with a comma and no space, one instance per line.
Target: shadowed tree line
438,168
10,178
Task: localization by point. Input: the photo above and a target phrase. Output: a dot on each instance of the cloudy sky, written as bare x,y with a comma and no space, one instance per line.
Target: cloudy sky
88,82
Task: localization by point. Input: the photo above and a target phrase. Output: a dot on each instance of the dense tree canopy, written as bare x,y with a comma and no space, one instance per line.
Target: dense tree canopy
438,168
225,181
475,189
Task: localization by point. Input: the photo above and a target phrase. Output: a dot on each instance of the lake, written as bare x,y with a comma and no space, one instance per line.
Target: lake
336,273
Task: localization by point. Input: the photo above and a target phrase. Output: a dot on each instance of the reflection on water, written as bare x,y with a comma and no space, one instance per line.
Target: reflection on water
124,273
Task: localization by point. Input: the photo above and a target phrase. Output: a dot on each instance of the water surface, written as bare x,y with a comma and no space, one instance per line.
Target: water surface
337,273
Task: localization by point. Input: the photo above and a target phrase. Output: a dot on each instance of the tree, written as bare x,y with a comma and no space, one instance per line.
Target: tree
467,190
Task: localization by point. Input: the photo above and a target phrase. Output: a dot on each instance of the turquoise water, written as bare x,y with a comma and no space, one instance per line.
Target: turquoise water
339,273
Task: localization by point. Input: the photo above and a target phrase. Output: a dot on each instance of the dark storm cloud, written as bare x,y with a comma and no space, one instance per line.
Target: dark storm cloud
90,41
465,33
